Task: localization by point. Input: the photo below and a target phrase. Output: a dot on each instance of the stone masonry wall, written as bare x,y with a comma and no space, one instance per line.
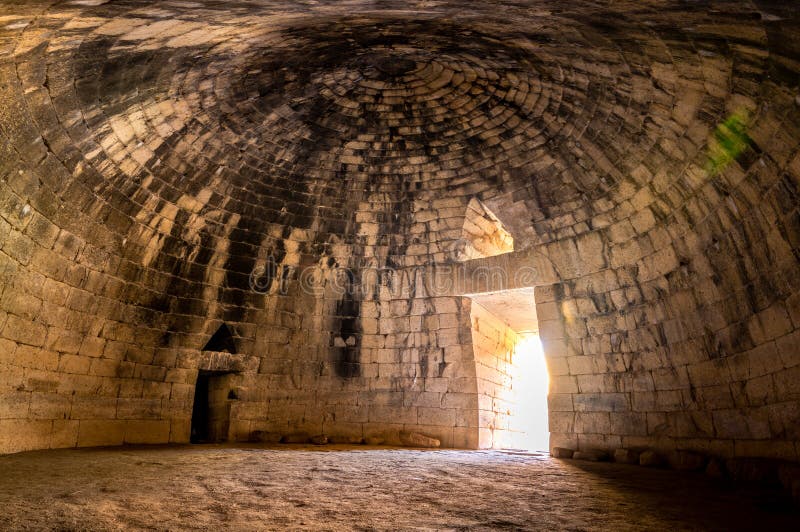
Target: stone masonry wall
294,171
494,343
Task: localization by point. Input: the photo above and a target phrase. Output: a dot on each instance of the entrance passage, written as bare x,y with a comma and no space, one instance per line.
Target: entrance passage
511,371
530,382
211,410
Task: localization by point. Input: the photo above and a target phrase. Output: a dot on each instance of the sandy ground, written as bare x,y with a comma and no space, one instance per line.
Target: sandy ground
212,487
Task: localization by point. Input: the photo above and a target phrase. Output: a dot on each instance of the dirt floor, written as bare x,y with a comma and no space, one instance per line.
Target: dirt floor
212,487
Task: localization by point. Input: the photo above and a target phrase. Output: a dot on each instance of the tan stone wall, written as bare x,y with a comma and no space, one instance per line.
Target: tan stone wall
493,344
681,331
147,171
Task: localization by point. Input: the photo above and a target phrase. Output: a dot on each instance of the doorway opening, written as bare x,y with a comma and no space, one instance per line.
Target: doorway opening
212,406
511,371
530,384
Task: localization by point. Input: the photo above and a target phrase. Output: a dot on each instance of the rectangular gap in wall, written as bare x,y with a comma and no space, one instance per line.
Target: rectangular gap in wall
511,370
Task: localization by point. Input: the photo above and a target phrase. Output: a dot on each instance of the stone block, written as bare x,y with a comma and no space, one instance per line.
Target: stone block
444,417
626,456
75,364
686,461
49,406
296,437
342,434
561,452
601,402
651,459
93,433
415,439
465,438
15,404
147,431
64,433
563,422
590,455
18,435
24,331
180,430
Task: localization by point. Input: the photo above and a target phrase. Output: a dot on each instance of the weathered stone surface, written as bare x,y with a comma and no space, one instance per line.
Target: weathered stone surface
626,456
590,455
273,486
297,437
651,459
351,439
686,461
562,452
319,439
266,437
415,439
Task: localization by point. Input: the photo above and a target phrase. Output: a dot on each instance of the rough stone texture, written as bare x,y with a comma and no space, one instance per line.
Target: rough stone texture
626,456
590,455
686,461
493,343
561,452
415,439
651,459
288,168
326,488
319,439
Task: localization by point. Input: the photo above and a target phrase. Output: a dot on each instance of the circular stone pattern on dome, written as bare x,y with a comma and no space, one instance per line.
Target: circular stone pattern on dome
317,107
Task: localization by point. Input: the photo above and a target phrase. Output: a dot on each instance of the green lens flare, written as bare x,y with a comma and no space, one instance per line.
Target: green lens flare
730,140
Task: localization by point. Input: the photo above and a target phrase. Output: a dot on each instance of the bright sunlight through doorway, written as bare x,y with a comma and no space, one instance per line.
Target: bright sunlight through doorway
529,384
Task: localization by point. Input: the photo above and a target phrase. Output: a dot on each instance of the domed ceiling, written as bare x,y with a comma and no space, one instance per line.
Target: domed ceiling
199,121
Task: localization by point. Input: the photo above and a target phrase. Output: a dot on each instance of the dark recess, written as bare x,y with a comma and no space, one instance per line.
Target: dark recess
221,341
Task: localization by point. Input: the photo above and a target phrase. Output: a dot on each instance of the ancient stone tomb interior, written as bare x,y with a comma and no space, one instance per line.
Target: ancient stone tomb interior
565,228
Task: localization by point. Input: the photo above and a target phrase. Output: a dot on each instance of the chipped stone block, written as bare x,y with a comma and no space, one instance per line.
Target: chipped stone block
686,461
265,436
590,455
561,452
349,439
626,456
651,459
415,439
296,437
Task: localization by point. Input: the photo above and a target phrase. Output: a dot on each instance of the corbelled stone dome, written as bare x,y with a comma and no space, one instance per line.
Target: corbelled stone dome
290,174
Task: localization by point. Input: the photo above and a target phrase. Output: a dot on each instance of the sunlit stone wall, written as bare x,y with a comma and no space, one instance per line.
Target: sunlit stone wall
494,344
